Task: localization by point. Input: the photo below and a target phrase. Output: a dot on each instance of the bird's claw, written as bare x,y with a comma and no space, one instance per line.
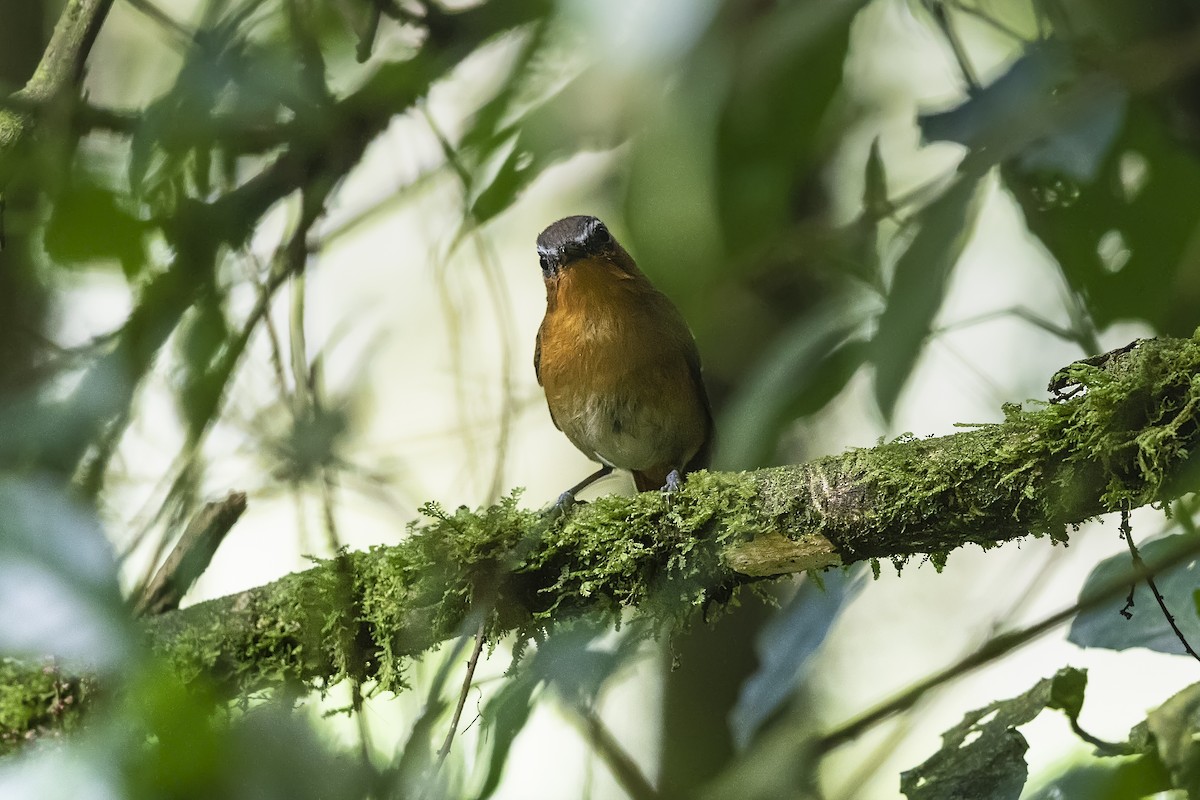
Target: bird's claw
674,482
560,506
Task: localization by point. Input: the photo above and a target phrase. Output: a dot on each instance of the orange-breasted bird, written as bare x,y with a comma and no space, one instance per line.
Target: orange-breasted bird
620,367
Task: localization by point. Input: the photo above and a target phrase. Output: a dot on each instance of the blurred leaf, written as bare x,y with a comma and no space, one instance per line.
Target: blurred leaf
919,286
179,748
782,763
983,757
229,82
813,359
1175,726
58,580
202,336
1073,147
504,717
60,773
876,203
88,224
516,172
1126,241
783,72
785,649
1103,626
1124,779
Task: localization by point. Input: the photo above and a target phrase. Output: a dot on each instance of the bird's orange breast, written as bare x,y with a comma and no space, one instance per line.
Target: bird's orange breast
620,370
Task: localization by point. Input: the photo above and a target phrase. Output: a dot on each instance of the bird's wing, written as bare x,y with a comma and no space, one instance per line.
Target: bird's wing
537,354
537,368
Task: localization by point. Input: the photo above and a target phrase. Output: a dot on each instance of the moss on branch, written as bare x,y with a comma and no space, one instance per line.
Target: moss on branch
1122,437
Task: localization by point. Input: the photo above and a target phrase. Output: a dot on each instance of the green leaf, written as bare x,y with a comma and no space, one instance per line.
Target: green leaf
809,363
1126,240
875,191
89,224
983,757
1175,726
1111,779
1104,626
919,286
504,717
202,336
783,69
1066,691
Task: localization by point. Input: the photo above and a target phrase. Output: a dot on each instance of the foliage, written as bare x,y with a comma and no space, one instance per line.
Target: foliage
724,133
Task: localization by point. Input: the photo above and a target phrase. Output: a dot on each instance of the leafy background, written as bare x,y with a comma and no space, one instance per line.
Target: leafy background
285,247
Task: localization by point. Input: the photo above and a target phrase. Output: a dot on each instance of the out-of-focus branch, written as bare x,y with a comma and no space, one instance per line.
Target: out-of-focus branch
61,67
191,555
65,56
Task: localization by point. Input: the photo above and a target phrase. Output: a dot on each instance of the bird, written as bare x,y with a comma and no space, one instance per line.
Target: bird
619,366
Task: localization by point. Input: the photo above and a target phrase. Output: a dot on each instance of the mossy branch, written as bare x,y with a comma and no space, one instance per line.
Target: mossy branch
1122,436
61,66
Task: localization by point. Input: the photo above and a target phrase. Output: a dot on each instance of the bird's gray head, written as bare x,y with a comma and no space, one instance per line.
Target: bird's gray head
570,239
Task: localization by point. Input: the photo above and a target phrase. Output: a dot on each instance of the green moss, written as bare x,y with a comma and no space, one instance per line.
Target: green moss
1125,439
36,701
1117,443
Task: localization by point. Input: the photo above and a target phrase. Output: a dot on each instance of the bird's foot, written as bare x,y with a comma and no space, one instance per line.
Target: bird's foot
560,506
674,482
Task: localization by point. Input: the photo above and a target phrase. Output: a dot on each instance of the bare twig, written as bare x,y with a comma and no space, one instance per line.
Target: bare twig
472,663
191,555
63,61
937,10
1140,566
991,650
620,764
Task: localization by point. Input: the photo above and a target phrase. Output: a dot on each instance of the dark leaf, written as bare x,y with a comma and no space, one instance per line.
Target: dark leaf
983,757
919,286
1175,728
504,717
1104,626
812,360
89,224
1126,241
1073,146
785,648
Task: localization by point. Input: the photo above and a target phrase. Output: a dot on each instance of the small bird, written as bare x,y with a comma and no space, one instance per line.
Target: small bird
620,367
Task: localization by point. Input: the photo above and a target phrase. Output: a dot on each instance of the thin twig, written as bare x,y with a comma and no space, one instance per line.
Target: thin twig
620,764
937,9
990,651
996,24
472,663
192,555
1139,565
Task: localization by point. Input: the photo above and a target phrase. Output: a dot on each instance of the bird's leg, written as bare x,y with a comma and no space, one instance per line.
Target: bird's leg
567,498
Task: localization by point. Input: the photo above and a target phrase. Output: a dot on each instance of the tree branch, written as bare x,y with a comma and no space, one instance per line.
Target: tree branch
66,55
61,65
1123,440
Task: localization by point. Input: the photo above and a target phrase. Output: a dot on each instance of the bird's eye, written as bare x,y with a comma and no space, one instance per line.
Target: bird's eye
602,235
544,262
